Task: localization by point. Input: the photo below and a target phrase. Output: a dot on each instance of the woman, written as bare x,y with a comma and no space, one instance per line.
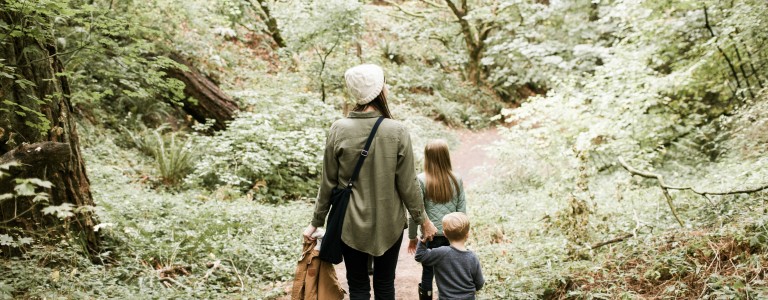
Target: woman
384,189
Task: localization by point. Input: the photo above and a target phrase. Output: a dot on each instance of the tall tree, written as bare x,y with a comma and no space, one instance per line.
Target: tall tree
37,128
474,30
269,19
257,17
474,38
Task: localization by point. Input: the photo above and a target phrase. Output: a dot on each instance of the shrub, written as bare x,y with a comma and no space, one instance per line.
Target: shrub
274,150
151,234
174,158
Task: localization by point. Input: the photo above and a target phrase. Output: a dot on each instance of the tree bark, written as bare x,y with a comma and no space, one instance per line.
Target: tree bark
41,112
212,103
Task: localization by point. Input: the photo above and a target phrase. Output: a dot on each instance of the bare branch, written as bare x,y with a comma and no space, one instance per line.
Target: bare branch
434,4
662,185
405,11
272,28
242,286
690,188
456,11
719,49
16,216
611,241
665,187
168,280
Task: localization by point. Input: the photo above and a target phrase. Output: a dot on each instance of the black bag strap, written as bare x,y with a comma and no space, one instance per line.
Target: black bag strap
364,153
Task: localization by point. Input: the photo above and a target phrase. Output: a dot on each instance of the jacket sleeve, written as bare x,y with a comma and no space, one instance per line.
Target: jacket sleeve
412,226
427,257
461,205
329,180
478,275
405,178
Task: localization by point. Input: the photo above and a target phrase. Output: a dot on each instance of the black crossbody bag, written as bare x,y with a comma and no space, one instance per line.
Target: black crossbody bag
330,248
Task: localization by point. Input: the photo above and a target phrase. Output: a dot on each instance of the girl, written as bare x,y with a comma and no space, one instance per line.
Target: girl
443,193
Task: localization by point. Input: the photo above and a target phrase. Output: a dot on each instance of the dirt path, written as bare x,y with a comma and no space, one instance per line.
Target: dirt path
471,161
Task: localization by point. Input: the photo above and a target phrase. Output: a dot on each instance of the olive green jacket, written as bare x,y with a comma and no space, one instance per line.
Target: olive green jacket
386,186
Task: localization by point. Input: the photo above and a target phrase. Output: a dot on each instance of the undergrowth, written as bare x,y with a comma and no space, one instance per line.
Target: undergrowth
721,255
158,244
711,263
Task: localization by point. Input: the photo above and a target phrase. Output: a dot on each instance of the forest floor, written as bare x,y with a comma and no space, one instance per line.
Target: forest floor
471,161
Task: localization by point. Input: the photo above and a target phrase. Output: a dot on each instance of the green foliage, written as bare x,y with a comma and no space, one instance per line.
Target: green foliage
274,151
116,64
325,30
644,80
536,43
701,263
175,155
34,191
441,96
32,24
147,231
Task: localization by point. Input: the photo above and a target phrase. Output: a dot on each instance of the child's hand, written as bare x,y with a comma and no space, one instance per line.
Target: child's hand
412,246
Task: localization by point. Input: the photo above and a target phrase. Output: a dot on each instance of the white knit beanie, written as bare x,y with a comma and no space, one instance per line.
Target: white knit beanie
364,82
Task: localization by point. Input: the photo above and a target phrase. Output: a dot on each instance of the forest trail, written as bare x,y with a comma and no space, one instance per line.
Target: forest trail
470,159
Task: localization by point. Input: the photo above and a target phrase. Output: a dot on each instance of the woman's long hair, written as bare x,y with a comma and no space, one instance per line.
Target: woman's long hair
441,183
379,103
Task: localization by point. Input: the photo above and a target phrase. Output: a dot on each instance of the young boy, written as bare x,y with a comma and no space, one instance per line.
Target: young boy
457,270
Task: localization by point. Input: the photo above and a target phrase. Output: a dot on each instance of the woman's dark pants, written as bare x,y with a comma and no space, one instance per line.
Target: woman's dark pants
356,263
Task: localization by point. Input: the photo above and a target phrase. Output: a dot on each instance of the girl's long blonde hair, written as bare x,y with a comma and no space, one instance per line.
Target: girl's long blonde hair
437,166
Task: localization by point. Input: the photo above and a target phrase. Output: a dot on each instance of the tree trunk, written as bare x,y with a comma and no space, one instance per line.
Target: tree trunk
272,29
474,39
39,111
212,103
474,68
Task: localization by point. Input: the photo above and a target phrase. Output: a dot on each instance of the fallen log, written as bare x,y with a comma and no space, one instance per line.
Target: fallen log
209,101
38,154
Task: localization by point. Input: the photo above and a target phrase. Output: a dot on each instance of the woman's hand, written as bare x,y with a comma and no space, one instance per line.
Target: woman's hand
308,233
412,246
428,230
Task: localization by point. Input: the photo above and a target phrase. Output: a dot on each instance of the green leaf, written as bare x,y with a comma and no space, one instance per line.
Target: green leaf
41,198
61,211
25,189
6,240
41,183
23,83
9,165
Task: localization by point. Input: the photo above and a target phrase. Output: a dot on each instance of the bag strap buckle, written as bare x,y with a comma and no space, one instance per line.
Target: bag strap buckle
364,153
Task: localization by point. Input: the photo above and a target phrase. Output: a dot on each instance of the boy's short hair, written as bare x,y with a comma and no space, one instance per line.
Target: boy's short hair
456,226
